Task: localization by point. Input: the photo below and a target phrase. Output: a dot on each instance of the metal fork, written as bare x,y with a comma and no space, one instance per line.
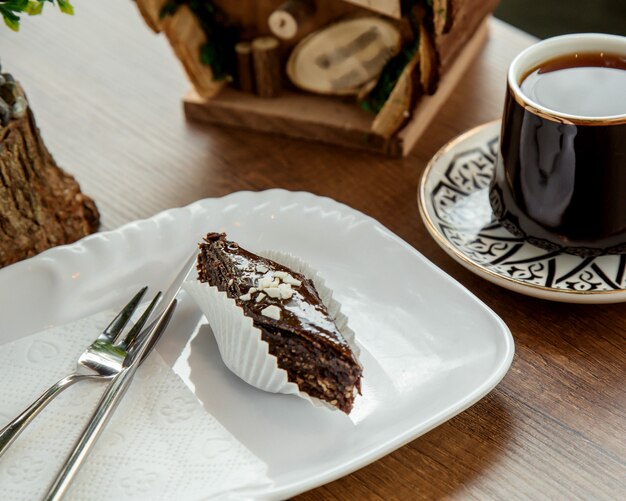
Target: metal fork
102,360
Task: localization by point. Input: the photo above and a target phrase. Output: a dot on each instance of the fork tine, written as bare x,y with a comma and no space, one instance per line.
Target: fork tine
119,322
136,329
150,336
164,321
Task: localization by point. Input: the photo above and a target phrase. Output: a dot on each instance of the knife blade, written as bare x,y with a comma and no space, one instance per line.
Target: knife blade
117,388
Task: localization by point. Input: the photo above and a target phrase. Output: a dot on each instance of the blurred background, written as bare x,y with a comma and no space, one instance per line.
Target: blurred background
546,18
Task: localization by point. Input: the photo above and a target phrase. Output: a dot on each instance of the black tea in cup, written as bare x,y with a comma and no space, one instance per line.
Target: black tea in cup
560,178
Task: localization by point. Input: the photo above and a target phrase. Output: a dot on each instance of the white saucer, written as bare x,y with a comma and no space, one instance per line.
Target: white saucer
454,203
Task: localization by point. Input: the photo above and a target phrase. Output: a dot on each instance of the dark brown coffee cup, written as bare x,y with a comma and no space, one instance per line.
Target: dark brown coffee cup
560,179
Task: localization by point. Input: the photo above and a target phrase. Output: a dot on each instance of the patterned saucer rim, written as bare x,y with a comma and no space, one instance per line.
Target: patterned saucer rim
517,285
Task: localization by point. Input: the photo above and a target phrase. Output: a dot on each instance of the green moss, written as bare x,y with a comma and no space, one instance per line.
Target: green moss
218,52
388,79
377,98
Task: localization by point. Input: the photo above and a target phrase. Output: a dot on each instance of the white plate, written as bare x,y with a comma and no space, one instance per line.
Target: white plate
454,203
430,348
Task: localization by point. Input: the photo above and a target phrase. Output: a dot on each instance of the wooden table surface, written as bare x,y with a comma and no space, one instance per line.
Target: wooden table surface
107,97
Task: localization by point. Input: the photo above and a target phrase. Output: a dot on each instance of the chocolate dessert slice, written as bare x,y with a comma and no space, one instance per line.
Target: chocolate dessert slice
294,322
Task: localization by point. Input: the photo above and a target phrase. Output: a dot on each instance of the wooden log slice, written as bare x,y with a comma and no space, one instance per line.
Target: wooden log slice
245,69
267,74
339,59
288,19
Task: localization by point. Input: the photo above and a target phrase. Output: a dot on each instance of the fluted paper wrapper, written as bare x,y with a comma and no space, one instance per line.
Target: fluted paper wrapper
239,341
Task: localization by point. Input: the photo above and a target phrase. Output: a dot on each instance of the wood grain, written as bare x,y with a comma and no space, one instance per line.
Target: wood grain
106,93
252,16
186,37
267,72
290,17
41,205
331,119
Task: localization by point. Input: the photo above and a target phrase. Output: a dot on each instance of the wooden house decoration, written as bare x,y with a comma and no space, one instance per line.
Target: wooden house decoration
368,74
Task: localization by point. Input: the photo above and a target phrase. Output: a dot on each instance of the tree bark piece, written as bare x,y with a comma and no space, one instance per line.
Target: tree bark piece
442,16
151,12
465,16
41,206
429,74
397,108
288,19
267,72
245,69
186,37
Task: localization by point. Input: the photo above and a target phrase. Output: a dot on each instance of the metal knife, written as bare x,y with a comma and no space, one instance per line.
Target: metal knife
113,395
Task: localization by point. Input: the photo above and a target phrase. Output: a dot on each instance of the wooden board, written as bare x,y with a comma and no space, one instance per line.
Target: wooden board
326,119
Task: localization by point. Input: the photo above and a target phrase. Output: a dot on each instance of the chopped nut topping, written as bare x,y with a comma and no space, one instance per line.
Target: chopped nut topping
272,286
261,268
271,311
285,291
252,290
260,296
230,282
273,292
245,297
265,282
292,281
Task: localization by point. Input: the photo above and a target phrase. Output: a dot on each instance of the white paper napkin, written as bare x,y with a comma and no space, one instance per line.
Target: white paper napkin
160,443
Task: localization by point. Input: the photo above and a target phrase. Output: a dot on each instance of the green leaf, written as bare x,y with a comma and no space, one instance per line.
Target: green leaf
9,9
10,18
66,7
15,5
35,7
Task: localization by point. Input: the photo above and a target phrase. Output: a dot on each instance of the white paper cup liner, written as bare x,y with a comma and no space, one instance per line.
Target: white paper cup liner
239,341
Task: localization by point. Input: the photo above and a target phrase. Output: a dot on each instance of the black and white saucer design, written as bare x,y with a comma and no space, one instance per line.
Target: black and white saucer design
454,203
